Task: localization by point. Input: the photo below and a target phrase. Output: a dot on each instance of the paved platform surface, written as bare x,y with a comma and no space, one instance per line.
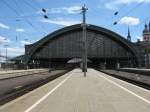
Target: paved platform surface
72,92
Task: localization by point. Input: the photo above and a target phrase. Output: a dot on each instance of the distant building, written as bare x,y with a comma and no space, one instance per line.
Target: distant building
146,33
146,45
106,49
129,36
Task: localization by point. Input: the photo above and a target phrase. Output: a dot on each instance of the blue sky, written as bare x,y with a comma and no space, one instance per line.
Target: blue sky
22,22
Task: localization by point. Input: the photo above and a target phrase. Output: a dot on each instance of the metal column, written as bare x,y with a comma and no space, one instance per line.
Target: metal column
84,55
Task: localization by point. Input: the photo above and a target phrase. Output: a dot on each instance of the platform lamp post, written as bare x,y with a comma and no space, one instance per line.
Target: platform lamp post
27,64
6,56
84,55
0,55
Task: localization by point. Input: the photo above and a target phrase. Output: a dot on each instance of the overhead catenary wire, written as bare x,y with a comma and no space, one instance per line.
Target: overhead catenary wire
17,38
142,22
31,15
17,19
18,14
129,12
27,3
116,13
35,28
36,9
10,7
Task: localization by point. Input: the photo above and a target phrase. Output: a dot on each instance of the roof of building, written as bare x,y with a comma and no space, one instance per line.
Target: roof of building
146,29
102,30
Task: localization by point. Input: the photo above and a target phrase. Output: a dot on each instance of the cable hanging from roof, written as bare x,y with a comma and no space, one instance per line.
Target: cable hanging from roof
143,21
36,9
129,12
18,14
35,28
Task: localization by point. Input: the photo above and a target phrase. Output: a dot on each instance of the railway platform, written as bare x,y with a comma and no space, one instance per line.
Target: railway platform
72,92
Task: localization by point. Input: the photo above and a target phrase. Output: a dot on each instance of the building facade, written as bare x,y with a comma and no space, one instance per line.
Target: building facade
105,48
145,44
146,33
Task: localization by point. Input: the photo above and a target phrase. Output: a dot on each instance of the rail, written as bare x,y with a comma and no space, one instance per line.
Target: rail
137,79
8,75
29,87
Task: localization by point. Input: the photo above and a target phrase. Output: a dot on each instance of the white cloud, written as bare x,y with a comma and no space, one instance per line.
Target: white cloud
114,4
73,9
132,1
25,42
15,50
129,21
111,6
4,26
40,0
4,40
60,21
69,10
55,10
20,30
140,38
12,51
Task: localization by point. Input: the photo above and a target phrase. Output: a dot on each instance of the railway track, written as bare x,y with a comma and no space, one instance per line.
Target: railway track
130,80
21,90
26,73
